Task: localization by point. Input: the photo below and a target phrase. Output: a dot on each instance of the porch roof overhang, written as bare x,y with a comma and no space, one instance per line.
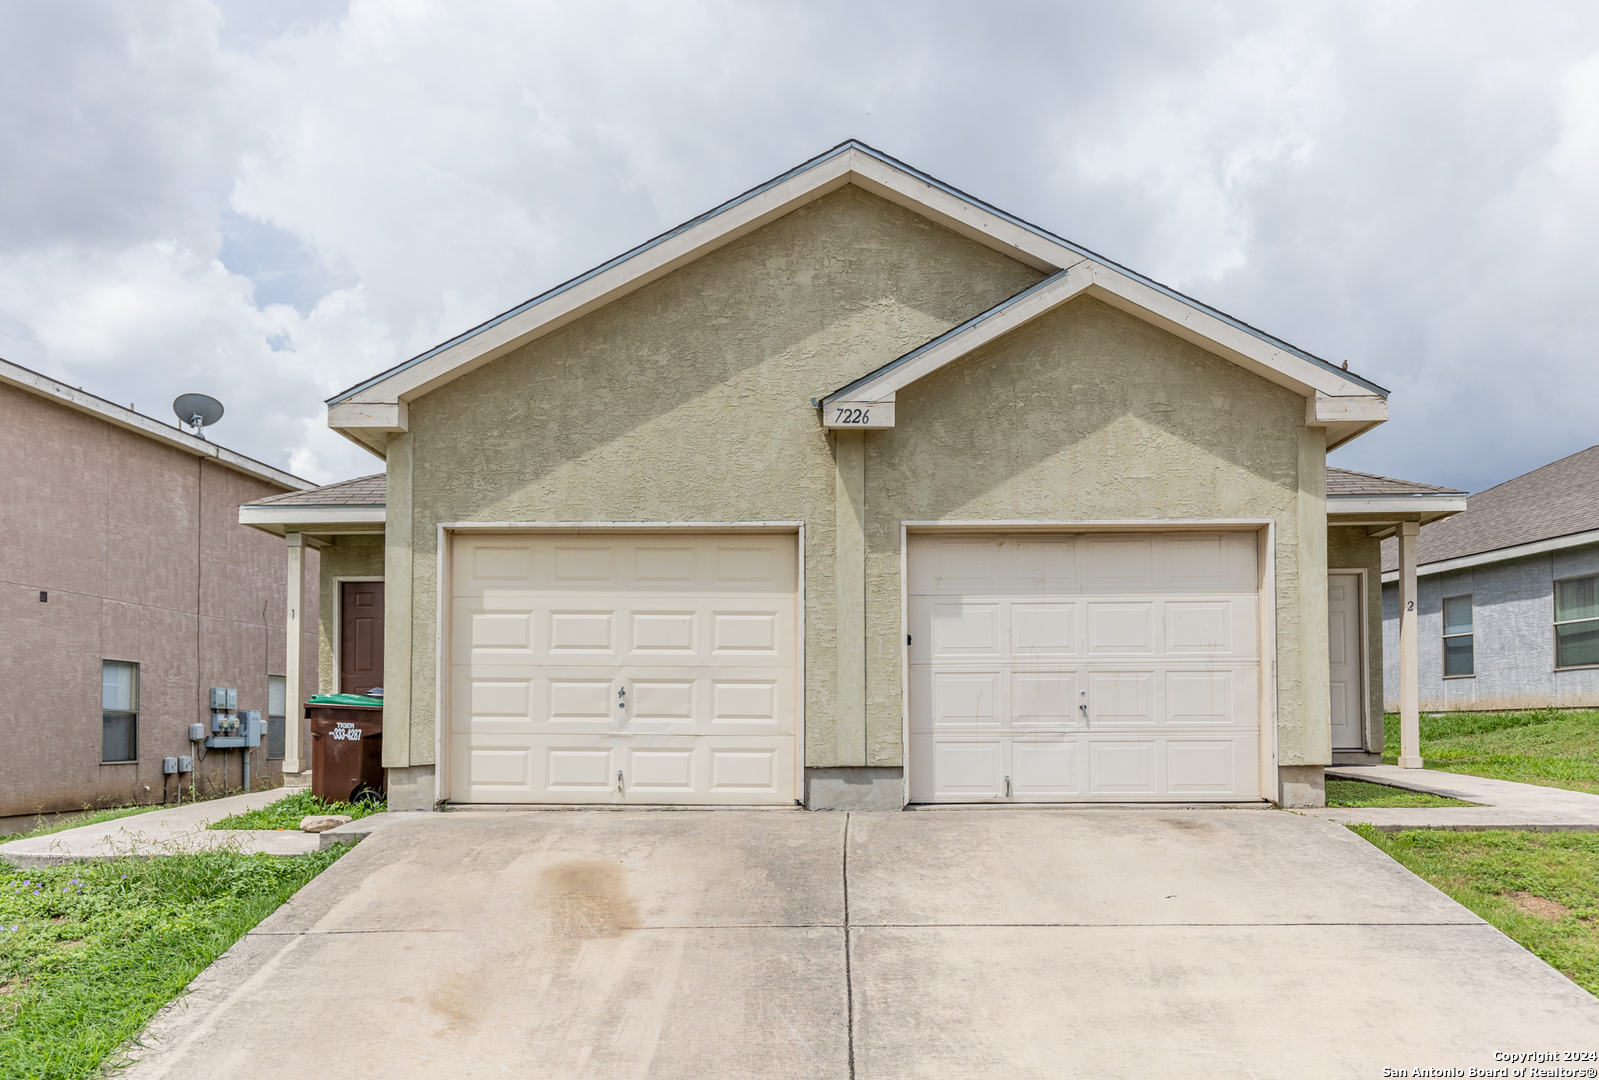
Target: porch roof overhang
319,523
1381,514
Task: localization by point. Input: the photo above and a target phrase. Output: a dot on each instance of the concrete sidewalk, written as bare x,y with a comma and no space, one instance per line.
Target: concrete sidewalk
162,832
1106,943
1505,804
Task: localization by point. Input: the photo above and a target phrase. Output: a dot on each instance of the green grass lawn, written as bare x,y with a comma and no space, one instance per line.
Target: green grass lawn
90,951
287,812
1541,889
1551,747
1360,793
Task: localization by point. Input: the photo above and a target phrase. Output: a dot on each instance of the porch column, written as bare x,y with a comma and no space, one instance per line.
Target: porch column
294,664
1409,684
849,455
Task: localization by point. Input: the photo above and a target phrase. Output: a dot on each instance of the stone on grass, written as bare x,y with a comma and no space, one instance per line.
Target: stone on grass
323,822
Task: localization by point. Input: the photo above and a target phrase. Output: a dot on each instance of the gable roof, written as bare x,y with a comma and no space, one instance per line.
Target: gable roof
76,399
1550,507
370,410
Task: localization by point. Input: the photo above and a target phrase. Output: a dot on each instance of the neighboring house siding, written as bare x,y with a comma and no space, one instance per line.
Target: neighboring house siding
140,550
688,401
1352,548
1513,629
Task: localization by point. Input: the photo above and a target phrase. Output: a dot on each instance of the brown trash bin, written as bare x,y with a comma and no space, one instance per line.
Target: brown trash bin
346,750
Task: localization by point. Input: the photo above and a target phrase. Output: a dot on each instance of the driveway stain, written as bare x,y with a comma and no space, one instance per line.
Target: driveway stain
587,899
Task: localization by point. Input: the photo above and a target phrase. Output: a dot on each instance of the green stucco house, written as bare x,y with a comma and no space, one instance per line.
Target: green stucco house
856,492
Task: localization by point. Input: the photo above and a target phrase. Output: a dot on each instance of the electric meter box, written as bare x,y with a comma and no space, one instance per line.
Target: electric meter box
196,732
169,765
224,700
185,763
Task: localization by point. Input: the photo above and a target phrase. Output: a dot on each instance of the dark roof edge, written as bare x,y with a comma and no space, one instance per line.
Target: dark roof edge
852,144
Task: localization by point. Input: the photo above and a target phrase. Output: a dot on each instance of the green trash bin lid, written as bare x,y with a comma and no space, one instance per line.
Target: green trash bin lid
345,699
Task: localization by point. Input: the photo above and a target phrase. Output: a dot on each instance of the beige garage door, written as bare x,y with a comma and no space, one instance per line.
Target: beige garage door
1109,667
624,668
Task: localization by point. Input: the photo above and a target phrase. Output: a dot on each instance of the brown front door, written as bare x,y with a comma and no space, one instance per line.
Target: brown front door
360,636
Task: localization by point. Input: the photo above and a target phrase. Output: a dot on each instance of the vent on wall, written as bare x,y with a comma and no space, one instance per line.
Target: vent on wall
44,597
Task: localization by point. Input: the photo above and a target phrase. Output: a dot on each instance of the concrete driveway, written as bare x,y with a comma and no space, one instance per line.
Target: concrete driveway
1007,943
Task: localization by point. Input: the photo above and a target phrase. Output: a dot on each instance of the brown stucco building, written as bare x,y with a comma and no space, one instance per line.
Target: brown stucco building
125,574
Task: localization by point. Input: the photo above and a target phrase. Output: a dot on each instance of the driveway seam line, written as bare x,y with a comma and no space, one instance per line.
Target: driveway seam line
849,984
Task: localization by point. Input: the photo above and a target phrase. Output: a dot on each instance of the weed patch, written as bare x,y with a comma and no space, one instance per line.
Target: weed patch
90,951
287,812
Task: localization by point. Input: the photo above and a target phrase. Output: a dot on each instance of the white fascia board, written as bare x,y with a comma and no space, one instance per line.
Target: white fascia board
1399,507
1485,558
1326,391
1216,335
1346,417
313,517
78,400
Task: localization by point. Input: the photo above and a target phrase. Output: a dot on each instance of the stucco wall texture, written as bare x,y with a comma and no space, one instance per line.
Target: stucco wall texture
689,401
140,549
1513,614
1349,547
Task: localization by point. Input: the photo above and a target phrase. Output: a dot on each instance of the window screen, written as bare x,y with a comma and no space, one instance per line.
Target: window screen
276,699
1577,622
1459,651
119,711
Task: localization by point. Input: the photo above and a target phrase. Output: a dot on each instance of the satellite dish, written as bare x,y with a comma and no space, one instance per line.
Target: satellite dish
198,411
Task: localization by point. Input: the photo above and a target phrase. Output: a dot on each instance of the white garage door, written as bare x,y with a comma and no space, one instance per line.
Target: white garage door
595,668
1098,667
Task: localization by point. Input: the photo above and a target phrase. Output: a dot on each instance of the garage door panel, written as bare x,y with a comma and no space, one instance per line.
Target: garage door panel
1121,629
966,768
492,630
1156,634
1202,767
1044,698
1046,767
1122,767
967,698
1043,629
670,660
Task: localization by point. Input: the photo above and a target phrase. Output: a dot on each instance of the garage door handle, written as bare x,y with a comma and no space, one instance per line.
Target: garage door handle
618,779
1007,787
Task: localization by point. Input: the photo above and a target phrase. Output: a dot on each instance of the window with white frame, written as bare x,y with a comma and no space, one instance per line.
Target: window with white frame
277,699
1459,654
1577,622
119,712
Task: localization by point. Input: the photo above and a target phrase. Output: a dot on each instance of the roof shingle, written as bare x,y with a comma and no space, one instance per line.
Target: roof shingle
1347,482
1557,500
362,491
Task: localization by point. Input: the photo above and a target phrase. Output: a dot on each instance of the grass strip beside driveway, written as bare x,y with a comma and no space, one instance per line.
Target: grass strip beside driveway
1361,793
90,951
1541,889
287,812
1551,747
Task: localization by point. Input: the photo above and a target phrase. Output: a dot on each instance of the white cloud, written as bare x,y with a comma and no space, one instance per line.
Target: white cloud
272,200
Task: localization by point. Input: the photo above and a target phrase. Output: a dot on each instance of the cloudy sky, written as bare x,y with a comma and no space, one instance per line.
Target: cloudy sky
269,200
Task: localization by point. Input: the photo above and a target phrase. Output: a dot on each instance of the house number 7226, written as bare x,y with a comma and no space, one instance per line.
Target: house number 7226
854,416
